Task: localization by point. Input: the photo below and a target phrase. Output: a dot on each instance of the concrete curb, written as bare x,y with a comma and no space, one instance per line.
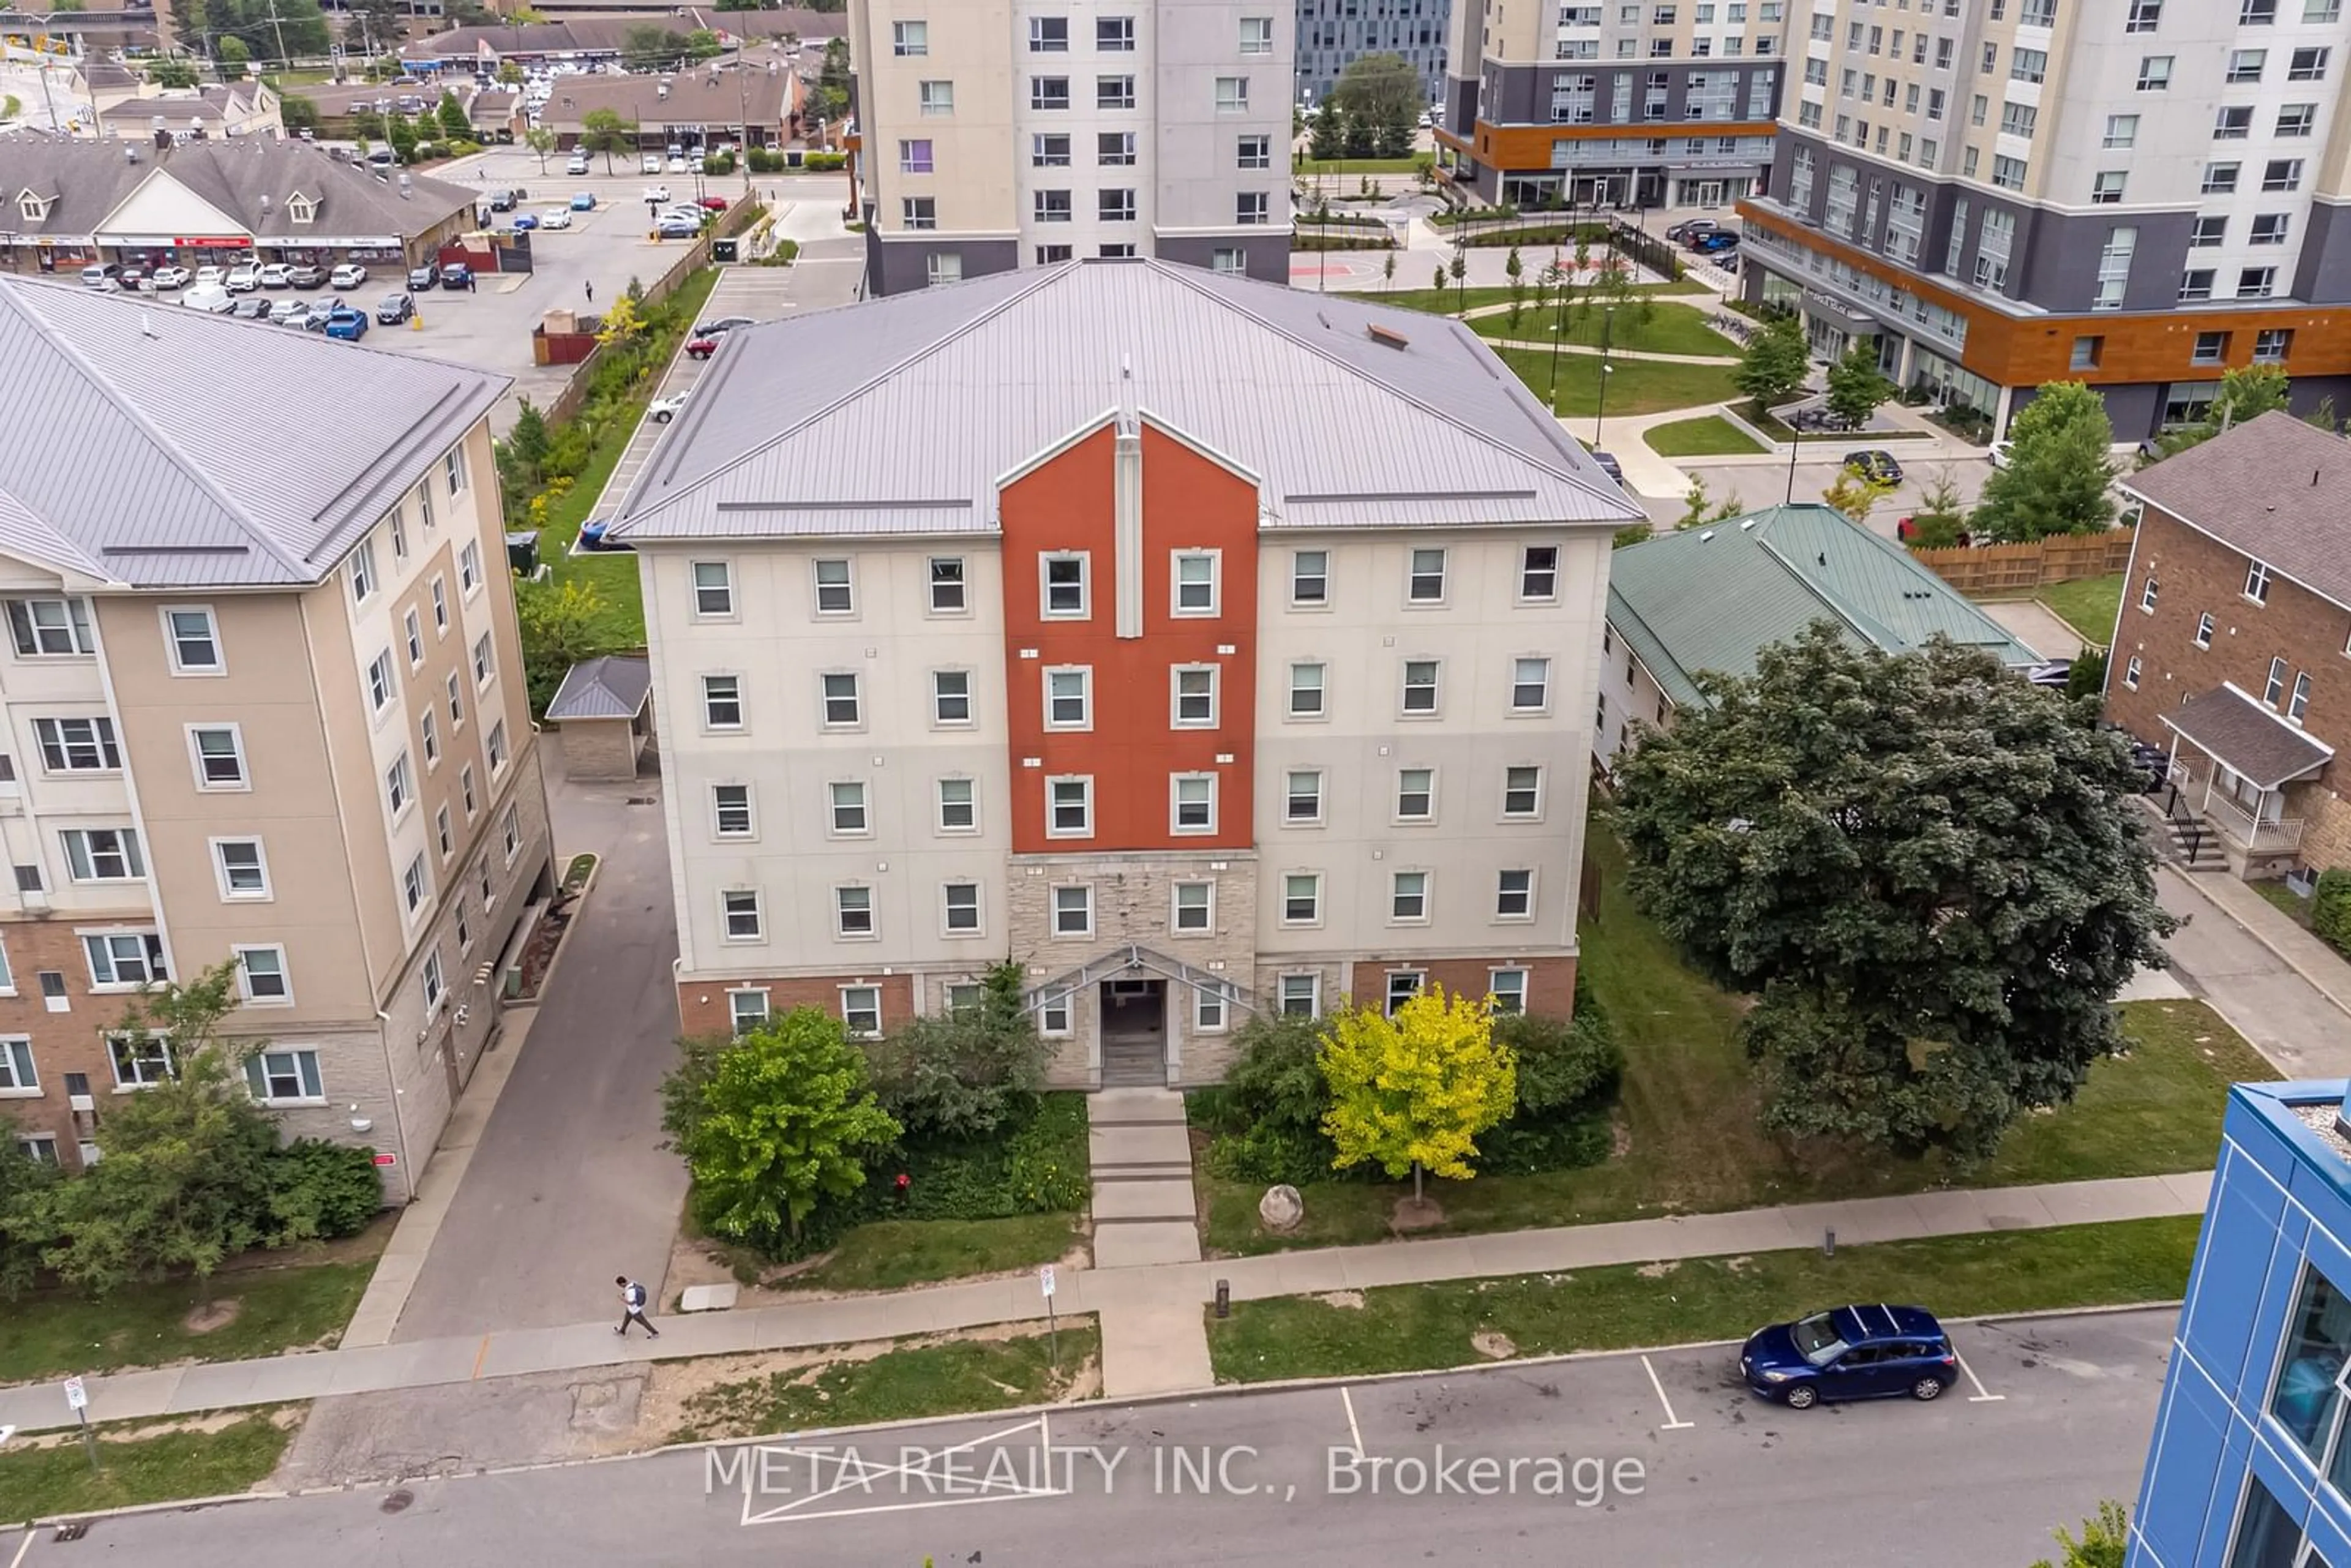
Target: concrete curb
563,946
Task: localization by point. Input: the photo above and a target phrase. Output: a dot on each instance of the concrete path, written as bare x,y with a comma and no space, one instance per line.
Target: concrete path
1144,1302
2286,991
1146,1215
2036,626
570,1184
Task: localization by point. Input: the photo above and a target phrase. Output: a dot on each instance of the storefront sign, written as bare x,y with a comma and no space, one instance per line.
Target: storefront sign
179,242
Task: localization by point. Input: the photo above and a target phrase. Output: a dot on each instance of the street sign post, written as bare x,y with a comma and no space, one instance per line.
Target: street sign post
78,1401
1052,1323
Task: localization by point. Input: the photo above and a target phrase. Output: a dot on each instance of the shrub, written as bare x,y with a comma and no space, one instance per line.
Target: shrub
824,162
956,1076
319,1190
1268,1113
718,164
1562,1066
2330,910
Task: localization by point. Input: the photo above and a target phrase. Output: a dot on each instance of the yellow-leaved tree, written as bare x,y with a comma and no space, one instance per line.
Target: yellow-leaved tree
1413,1090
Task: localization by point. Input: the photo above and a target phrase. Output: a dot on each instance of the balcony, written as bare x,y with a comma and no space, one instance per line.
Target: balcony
2191,792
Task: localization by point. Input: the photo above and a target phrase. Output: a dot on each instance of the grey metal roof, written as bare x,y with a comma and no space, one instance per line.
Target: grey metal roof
614,687
855,417
2272,489
2247,738
156,446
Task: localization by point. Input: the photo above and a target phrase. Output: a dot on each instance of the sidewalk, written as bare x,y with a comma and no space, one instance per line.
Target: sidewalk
2286,991
1150,1303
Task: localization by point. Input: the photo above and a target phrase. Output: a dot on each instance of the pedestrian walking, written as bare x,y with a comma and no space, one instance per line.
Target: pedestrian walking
633,1304
473,284
590,286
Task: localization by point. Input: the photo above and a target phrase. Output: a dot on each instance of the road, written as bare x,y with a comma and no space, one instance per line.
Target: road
1656,1461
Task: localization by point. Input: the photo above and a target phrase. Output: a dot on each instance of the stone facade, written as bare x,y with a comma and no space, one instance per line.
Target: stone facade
601,749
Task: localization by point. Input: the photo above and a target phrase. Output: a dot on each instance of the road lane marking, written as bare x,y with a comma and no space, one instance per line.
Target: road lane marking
1982,1396
1673,1423
1354,1433
991,1489
27,1546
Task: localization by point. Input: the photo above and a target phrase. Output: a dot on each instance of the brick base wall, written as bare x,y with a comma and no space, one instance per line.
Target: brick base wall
703,1007
1550,982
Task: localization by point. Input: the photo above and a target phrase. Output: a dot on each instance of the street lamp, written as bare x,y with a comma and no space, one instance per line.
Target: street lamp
1600,418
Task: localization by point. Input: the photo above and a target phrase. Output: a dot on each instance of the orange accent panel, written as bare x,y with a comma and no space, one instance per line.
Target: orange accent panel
1189,502
2141,346
1521,148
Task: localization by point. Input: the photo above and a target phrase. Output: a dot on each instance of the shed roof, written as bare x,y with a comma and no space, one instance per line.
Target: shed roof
613,687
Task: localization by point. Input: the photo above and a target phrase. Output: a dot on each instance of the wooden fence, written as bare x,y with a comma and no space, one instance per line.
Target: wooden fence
2017,569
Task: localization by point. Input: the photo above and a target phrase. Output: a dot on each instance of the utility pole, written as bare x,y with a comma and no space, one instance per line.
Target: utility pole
279,28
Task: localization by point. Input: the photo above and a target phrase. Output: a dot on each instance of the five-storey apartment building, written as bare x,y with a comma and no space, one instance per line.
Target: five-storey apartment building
997,134
1613,103
1333,33
2136,194
1215,648
264,710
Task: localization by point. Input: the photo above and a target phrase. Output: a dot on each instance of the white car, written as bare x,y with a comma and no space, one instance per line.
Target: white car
210,297
244,279
555,218
677,165
655,192
2000,453
579,164
211,275
276,275
650,163
167,277
661,411
351,274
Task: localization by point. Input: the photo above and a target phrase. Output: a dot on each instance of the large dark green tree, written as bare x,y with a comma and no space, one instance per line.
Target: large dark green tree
1380,93
1856,385
1928,871
2059,467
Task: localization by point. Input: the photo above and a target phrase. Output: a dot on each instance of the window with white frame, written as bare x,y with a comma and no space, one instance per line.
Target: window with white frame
444,832
1310,577
1408,895
1194,908
194,640
1069,807
835,593
958,806
241,868
1062,584
1514,895
51,628
951,697
947,581
1256,35
1302,796
1069,697
397,526
841,704
937,97
1192,803
1301,995
465,789
1416,796
1053,1016
2146,595
382,683
2130,673
1073,911
852,911
1232,95
469,568
413,632
1209,1012
140,1056
1419,694
1301,898
848,806
284,1075
1530,685
1403,986
77,745
103,854
455,691
17,1074
747,1010
494,746
362,571
429,727
1195,582
510,834
713,587
1425,584
739,908
452,471
121,959
960,907
2257,582
414,884
2204,629
485,666
1195,697
730,812
1508,988
1306,682
219,752
2298,704
1539,573
7,975
860,1011
1523,791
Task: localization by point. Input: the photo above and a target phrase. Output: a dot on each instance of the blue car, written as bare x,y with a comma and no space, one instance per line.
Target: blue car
585,202
1715,242
526,220
1850,1352
594,534
347,324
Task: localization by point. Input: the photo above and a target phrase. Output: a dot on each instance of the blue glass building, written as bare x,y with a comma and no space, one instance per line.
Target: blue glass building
2250,1465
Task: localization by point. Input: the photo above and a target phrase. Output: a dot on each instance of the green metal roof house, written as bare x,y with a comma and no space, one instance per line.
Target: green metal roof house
1712,597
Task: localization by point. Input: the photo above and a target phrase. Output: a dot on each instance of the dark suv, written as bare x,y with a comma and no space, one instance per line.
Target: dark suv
1850,1352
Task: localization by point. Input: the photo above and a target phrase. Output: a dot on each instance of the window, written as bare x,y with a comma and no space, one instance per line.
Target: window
1048,92
2008,173
959,808
1306,690
17,1074
1073,911
361,570
1252,207
2122,131
2281,174
494,745
510,833
2212,230
1256,35
1403,986
2114,268
1115,150
469,568
77,745
1302,796
2087,352
1053,1016
1114,92
1069,697
1416,800
1522,792
139,1058
483,665
2306,65
1255,153
2257,583
2106,187
2145,17
282,1076
841,706
730,810
1530,685
126,959
1069,809
722,702
1301,995
2221,179
1049,149
51,628
193,639
713,587
2307,1394
413,887
2154,73
2246,64
740,908
1310,577
860,1011
2204,629
937,97
1508,988
947,585
1301,898
1232,95
1064,584
2146,595
951,697
1419,685
429,727
852,911
2297,120
747,1010
847,813
2234,122
2269,228
1408,895
1425,582
2299,704
103,854
914,157
465,788
1194,906
443,833
1209,1008
1514,896
381,684
1114,34
2272,344
2256,282
1192,805
1049,35
2256,12
220,756
1195,582
910,39
415,635
1228,259
961,905
2321,10
1194,696
1539,572
243,872
834,594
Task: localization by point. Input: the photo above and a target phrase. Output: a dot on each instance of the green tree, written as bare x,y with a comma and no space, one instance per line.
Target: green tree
2245,393
530,439
1941,517
1457,265
603,131
1699,508
172,71
1412,1091
1382,93
827,100
1774,365
300,113
1387,270
1856,387
1856,494
2104,1543
784,1119
541,141
234,56
401,132
2058,469
702,44
510,74
959,1075
26,1185
651,48
1328,138
454,123
1437,282
1816,834
561,624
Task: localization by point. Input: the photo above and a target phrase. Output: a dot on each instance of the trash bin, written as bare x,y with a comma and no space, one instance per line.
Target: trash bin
522,552
726,250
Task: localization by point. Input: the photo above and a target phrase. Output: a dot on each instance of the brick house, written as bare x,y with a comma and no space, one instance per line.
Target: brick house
2233,649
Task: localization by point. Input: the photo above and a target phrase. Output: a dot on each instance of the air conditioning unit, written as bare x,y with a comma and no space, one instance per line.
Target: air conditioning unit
81,1102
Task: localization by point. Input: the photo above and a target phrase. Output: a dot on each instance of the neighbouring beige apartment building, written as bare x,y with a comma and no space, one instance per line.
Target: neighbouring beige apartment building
263,702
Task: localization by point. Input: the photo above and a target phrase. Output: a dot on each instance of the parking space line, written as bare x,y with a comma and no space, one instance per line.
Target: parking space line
27,1546
1982,1396
1673,1422
1354,1433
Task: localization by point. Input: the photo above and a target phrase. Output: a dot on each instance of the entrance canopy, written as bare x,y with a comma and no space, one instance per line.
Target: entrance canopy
2247,738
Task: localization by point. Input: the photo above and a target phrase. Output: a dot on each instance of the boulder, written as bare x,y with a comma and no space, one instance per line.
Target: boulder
1282,1209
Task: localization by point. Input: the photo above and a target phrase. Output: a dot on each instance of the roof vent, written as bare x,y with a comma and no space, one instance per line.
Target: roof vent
1388,336
1747,525
661,90
1706,537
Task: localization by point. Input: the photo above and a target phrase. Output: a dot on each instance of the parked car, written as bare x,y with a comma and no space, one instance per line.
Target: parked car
585,202
553,218
1877,465
321,311
675,150
526,222
579,164
502,201
677,165
2002,452
1690,228
650,163
655,196
1609,465
702,345
243,278
420,278
1850,1352
251,308
102,274
209,298
456,275
594,534
306,276
105,285
134,278
276,275
351,274
211,275
346,323
668,228
395,308
661,411
289,312
168,278
712,203
1715,243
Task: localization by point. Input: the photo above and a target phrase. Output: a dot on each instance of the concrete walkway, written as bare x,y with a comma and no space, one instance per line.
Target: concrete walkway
2286,991
1146,1215
1151,1302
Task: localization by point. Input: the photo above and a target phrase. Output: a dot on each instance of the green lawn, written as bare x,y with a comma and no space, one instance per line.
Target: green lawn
1688,1116
894,1253
2285,899
1311,167
42,1483
1448,301
55,1333
1670,330
2087,604
1708,435
1408,1328
949,1378
1634,386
